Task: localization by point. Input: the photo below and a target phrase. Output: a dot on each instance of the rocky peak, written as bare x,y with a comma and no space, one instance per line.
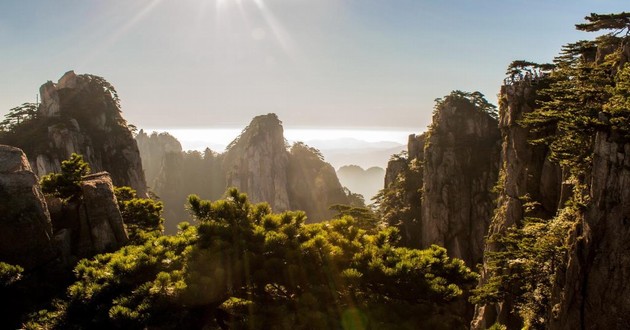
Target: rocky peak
460,167
81,114
446,179
257,162
153,148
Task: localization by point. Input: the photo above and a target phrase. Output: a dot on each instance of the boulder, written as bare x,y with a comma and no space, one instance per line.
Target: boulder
25,226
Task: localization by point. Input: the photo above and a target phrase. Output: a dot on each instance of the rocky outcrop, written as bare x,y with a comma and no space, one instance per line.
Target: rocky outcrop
312,183
461,160
81,114
101,213
257,161
593,292
153,149
446,180
259,164
399,163
25,226
526,175
90,224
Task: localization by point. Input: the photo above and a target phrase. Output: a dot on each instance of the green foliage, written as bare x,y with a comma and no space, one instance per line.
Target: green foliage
526,67
568,118
136,286
618,106
18,116
399,204
366,218
243,266
142,216
596,22
301,149
9,274
526,265
67,184
319,269
476,99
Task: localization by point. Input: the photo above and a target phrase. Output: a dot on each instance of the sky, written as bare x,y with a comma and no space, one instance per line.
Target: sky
347,64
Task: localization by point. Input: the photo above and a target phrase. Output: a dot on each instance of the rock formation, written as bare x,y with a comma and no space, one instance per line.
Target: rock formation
401,200
25,226
526,175
100,211
593,292
92,223
81,114
461,157
153,149
257,162
312,183
584,286
447,179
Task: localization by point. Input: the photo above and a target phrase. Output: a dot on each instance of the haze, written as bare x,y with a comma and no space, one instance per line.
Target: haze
326,63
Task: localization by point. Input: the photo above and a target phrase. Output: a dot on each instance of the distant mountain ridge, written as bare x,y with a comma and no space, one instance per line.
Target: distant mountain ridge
366,182
258,162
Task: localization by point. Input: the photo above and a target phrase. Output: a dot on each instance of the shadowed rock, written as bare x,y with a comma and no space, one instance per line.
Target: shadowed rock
25,226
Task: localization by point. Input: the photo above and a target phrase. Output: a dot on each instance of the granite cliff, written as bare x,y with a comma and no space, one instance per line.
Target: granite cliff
556,255
446,179
526,176
26,233
40,229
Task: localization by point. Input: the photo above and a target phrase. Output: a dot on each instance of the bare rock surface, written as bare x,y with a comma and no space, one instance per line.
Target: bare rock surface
25,226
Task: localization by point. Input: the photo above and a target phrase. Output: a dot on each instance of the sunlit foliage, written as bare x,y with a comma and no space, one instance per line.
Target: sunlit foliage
242,266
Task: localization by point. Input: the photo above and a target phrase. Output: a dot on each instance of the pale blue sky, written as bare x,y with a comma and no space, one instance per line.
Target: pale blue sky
316,63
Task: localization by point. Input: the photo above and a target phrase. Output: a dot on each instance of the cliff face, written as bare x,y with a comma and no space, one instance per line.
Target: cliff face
256,163
153,149
401,200
81,114
312,183
88,225
526,175
446,180
37,229
461,159
581,263
259,164
25,226
593,292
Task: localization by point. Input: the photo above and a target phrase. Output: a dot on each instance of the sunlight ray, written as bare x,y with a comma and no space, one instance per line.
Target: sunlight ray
281,35
120,32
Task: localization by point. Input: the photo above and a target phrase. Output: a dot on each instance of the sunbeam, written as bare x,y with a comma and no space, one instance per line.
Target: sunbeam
279,32
115,36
